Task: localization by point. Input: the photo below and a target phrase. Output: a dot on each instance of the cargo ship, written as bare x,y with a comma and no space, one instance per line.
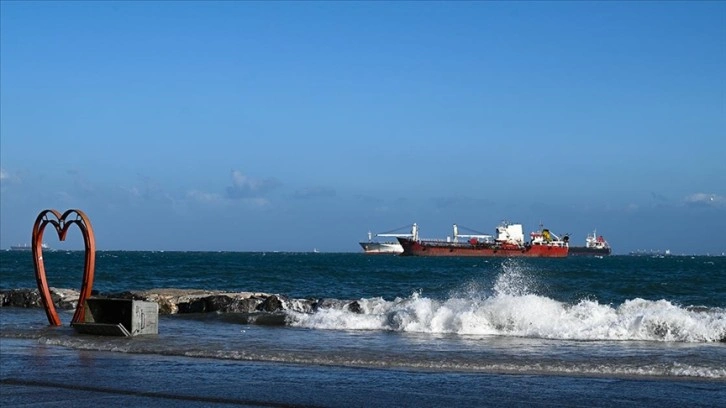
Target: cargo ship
508,243
595,245
387,247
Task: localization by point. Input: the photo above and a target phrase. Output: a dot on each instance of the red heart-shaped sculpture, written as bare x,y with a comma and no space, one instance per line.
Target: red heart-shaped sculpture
61,224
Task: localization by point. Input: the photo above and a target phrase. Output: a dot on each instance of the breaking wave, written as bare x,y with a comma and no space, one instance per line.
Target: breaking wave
511,308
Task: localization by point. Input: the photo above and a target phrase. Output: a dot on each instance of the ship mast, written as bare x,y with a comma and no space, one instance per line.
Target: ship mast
475,236
413,235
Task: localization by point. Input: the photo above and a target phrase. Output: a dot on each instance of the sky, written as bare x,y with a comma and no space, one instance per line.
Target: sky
293,126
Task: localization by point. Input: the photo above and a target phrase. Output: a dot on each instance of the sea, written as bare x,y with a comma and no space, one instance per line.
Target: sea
641,331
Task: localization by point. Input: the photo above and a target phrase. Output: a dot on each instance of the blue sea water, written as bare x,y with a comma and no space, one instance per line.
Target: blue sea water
613,331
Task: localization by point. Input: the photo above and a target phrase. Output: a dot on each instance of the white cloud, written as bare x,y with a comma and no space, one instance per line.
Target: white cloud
247,187
203,197
704,199
8,177
133,191
217,199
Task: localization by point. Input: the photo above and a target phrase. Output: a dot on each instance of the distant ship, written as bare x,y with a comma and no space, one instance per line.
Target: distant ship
387,247
26,247
595,245
509,243
651,253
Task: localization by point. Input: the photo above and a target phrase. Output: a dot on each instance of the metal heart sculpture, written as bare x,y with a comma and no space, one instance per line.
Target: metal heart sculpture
61,224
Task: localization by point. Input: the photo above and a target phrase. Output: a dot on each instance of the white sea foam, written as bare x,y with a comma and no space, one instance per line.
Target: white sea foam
512,310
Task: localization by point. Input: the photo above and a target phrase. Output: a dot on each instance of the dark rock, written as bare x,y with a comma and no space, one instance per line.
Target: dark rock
22,298
218,303
4,298
268,319
304,305
65,303
62,299
271,304
243,305
329,304
193,306
355,307
166,308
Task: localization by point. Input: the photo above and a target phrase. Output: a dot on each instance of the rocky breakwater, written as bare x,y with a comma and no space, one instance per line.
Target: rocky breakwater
173,301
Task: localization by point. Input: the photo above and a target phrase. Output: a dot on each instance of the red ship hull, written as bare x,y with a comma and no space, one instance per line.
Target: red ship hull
442,248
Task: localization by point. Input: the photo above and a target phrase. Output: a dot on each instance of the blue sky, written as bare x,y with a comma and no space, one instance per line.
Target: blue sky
297,125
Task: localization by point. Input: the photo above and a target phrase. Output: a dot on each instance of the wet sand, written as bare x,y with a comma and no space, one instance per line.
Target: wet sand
52,376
